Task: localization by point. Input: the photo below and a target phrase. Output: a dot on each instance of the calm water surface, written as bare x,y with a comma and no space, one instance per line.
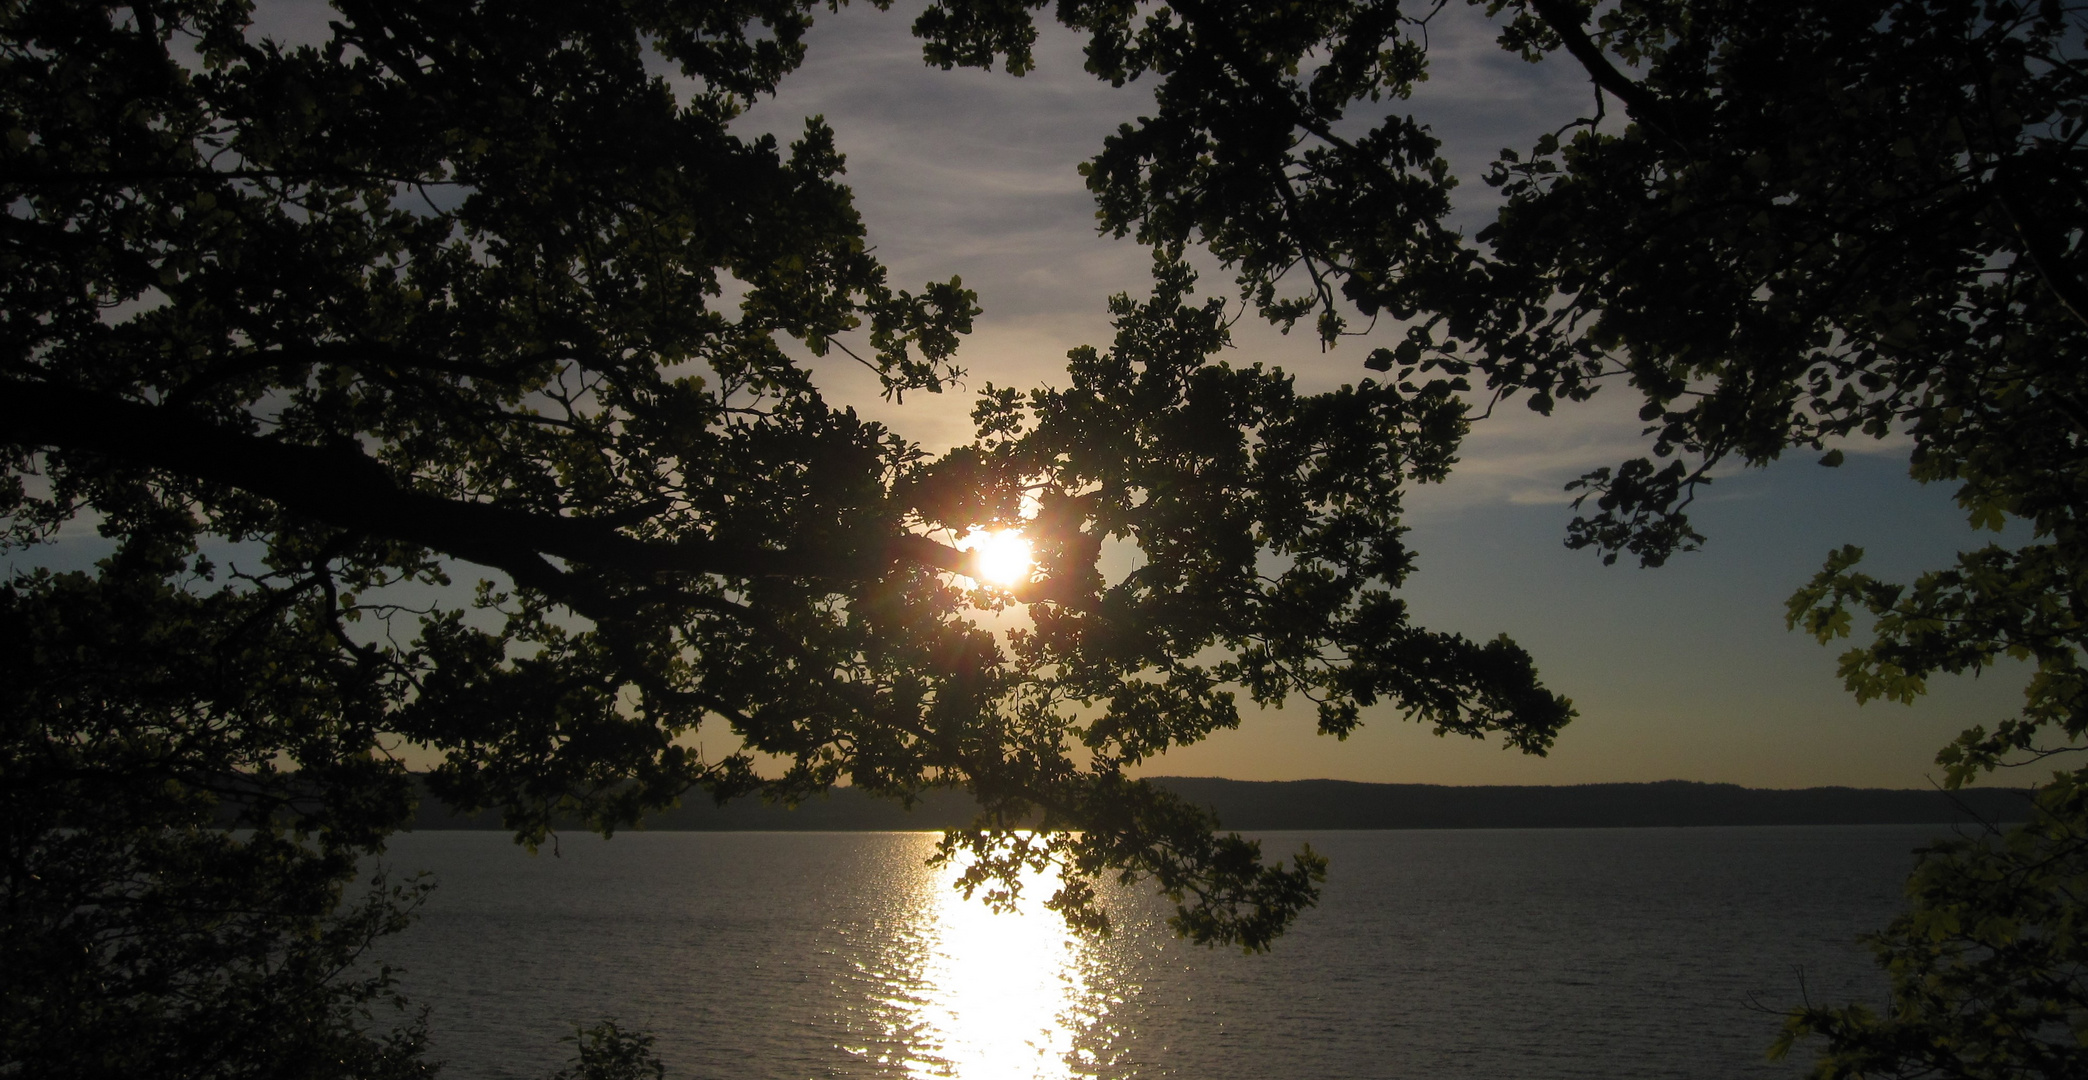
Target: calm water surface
1498,953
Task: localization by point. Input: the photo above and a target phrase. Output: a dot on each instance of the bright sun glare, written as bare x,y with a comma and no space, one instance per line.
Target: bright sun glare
1003,555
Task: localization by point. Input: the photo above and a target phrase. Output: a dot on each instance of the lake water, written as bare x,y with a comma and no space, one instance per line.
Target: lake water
1534,954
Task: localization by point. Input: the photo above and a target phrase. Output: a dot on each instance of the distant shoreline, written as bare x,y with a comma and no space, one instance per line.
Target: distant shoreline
1284,805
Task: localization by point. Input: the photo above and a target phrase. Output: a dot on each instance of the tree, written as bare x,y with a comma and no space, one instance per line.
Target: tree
469,291
1781,224
1986,964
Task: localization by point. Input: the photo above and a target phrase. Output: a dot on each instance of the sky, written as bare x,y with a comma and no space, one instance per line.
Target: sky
1682,672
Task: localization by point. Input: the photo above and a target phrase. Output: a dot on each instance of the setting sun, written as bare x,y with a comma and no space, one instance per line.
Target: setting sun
1003,555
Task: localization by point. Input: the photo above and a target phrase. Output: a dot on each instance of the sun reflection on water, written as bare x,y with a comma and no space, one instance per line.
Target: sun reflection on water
998,995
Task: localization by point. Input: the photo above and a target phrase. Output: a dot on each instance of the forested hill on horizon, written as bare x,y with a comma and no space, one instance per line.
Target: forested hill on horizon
1342,804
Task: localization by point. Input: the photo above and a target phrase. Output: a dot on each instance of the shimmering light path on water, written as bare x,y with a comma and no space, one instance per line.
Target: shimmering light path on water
1526,954
1002,994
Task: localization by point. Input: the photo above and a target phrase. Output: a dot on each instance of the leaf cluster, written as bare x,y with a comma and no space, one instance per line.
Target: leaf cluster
1988,966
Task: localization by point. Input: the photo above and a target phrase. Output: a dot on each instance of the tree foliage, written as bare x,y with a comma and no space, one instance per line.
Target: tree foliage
1989,965
1780,225
607,1052
143,938
497,291
473,290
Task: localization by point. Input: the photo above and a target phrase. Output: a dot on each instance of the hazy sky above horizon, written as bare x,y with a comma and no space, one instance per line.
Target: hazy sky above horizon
1684,672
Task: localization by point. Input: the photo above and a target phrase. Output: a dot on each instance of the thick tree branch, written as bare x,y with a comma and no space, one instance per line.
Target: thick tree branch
346,489
2045,255
1645,109
11,177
